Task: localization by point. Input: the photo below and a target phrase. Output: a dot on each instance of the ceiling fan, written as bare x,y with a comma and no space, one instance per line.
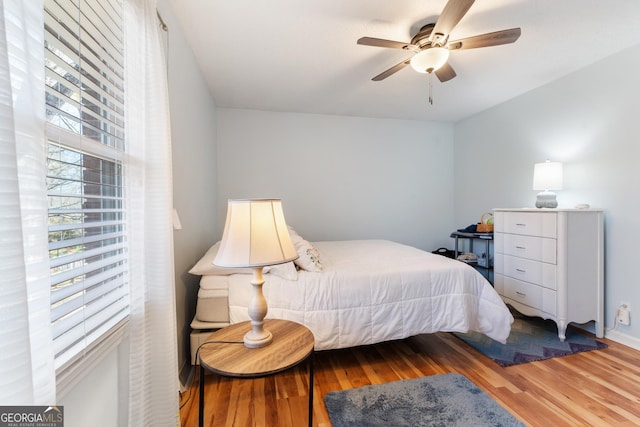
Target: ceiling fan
431,45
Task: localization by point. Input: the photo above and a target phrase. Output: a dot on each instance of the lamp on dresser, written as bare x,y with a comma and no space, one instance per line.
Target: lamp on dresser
547,176
255,235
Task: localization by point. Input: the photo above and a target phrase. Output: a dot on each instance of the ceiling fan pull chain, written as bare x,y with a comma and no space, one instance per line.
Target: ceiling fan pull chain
430,89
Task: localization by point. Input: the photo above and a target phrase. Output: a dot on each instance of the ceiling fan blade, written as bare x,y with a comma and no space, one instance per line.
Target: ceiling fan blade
372,41
452,13
445,72
484,40
383,75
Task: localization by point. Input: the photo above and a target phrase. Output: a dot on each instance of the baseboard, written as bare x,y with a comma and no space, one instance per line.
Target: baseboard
622,338
186,376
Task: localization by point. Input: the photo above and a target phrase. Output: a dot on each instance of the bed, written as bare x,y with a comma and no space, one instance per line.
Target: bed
359,292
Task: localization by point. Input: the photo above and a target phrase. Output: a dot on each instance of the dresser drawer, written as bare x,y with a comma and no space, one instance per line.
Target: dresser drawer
533,296
524,293
530,247
529,223
526,270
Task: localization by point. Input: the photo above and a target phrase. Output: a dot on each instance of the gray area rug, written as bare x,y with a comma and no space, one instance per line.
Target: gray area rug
531,339
446,400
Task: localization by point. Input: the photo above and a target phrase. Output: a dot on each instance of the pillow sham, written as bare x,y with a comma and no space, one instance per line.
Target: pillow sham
308,255
205,267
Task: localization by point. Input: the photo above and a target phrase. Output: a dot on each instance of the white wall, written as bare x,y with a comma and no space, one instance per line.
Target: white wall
95,400
342,177
587,120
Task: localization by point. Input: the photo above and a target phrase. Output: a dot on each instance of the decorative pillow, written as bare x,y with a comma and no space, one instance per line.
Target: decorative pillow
308,255
205,267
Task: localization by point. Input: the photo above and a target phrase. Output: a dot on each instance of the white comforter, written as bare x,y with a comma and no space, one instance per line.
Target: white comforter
373,290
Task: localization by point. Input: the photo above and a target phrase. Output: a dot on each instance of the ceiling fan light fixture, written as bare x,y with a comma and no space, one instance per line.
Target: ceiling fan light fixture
429,60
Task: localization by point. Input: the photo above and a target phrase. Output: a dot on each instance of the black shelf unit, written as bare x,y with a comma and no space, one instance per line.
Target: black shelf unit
486,238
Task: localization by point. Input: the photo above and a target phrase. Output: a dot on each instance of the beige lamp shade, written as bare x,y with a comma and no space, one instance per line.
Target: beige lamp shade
255,235
547,176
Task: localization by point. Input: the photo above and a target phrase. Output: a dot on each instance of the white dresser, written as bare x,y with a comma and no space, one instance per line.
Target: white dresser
550,263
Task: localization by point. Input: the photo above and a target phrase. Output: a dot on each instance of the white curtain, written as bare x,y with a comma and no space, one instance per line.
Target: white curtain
27,374
153,373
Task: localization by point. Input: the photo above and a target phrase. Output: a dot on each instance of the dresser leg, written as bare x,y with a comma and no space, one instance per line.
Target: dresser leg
600,329
562,330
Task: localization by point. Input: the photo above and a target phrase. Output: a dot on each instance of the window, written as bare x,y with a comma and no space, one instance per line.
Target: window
87,213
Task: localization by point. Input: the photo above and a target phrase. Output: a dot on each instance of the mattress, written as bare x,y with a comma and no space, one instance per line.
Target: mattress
213,301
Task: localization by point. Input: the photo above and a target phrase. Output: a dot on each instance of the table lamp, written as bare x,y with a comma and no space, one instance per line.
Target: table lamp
255,235
547,176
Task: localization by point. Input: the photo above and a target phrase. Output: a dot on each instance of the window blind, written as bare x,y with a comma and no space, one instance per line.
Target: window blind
85,114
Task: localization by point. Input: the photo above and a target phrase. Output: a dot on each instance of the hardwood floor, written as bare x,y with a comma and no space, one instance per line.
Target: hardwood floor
596,388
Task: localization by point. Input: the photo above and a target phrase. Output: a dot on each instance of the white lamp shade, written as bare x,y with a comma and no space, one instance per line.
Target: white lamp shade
430,60
547,176
255,235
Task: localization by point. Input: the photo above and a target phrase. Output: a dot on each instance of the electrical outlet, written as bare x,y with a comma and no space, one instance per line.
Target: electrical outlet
623,314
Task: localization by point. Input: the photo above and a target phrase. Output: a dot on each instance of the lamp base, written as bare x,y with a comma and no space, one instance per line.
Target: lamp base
253,340
257,337
546,199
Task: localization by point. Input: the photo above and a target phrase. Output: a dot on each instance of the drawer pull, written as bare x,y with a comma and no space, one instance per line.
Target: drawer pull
519,270
521,294
521,247
521,224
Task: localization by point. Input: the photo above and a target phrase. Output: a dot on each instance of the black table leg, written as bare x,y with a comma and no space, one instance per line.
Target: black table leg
311,390
201,402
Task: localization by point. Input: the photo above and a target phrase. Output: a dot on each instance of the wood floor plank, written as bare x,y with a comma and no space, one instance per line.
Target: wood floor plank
598,388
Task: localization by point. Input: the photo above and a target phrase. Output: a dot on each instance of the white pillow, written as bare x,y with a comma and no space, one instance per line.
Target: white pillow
287,270
308,255
205,267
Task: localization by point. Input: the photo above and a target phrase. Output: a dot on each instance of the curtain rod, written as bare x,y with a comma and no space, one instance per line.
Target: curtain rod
162,24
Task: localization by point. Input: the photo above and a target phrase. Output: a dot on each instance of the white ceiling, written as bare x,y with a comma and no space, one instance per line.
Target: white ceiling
302,56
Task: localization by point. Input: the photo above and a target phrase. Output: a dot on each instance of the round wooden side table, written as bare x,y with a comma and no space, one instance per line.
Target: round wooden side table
224,354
